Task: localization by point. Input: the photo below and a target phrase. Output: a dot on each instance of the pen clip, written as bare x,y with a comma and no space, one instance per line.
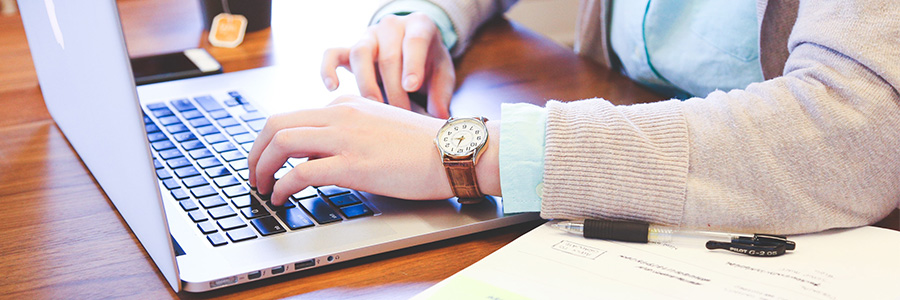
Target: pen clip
764,245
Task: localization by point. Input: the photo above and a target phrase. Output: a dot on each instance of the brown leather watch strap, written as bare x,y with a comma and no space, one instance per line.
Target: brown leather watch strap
462,180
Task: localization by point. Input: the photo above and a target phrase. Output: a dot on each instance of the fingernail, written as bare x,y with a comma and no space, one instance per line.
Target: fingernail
372,98
329,84
409,83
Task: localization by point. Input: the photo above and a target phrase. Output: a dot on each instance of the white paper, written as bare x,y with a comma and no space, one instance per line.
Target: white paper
546,263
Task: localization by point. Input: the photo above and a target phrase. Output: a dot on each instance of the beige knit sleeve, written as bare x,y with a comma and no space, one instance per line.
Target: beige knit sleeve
816,148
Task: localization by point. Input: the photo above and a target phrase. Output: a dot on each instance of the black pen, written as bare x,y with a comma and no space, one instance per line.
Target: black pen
642,232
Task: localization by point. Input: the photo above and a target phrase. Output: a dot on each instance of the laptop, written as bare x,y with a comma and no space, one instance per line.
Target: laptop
171,158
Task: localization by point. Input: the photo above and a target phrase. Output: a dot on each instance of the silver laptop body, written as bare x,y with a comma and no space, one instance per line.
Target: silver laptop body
85,76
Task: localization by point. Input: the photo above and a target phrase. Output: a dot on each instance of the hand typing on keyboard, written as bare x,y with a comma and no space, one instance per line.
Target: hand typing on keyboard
363,145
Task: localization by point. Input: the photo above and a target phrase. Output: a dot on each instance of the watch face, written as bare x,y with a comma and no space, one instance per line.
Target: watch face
462,137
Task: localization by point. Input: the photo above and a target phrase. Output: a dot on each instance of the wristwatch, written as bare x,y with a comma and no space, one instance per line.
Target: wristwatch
461,141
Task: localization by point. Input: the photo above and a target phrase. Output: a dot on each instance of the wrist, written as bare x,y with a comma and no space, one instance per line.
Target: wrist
487,169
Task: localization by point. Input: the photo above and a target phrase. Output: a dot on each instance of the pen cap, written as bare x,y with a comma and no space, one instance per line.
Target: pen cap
616,230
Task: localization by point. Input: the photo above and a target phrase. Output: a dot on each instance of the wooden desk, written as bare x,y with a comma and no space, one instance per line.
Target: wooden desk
62,238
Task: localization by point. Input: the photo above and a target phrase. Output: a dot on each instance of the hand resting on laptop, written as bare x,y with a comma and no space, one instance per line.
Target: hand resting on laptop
362,145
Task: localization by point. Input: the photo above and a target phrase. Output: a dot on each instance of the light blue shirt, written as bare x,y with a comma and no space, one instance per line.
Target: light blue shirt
678,48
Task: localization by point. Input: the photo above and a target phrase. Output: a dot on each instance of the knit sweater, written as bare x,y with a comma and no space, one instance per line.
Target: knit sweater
814,147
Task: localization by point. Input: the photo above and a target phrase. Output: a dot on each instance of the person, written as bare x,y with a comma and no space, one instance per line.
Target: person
805,139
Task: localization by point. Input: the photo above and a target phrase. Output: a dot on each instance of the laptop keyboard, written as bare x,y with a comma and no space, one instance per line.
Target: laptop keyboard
200,148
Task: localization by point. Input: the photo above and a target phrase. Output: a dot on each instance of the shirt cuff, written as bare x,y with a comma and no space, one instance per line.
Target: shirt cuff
405,7
522,135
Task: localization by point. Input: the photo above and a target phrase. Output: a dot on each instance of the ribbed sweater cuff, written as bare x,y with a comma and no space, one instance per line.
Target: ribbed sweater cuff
621,162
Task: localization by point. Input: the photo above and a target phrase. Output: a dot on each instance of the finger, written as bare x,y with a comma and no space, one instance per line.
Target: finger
276,123
362,62
440,88
317,172
334,58
287,143
416,41
390,40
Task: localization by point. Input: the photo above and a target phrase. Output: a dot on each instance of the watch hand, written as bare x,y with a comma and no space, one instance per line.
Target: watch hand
461,138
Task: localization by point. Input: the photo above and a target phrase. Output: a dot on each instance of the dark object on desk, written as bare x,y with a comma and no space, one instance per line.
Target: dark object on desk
765,245
171,66
257,12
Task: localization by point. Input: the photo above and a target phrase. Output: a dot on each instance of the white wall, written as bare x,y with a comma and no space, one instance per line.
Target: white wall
554,19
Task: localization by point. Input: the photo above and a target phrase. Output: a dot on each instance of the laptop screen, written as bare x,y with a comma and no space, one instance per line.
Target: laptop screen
83,68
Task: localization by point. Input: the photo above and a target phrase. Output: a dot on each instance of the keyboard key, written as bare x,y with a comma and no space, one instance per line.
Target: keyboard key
332,190
281,172
151,128
224,147
235,130
147,120
185,172
219,114
239,164
216,239
245,174
179,162
192,114
208,103
207,130
241,234
358,210
247,146
231,103
217,172
157,136
163,174
169,120
206,227
294,218
188,204
249,107
227,122
170,154
156,164
200,153
226,181
344,200
161,112
182,105
207,163
221,212
233,155
255,210
286,205
215,138
179,194
267,226
177,128
257,125
197,216
184,136
192,145
171,183
320,210
306,193
235,191
199,122
162,145
231,223
203,191
213,201
252,116
192,182
244,138
243,201
158,105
